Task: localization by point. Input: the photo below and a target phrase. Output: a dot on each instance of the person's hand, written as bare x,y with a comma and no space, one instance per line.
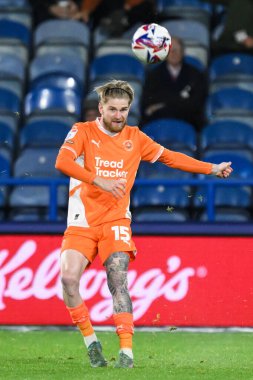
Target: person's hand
81,15
117,187
248,42
153,108
222,170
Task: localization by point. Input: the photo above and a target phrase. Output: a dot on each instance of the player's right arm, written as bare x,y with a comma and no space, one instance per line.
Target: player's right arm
72,148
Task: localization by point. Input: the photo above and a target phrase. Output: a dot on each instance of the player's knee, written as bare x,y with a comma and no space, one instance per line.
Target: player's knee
70,283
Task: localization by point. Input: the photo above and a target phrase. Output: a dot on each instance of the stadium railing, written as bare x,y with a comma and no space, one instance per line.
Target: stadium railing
210,185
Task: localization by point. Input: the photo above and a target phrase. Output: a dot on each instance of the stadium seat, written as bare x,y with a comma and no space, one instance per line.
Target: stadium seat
172,133
36,163
63,33
36,196
53,101
229,102
228,134
33,214
228,215
6,136
243,166
5,162
43,133
233,196
160,195
12,73
185,9
14,33
57,70
190,31
19,11
159,214
160,171
118,66
11,121
232,70
9,102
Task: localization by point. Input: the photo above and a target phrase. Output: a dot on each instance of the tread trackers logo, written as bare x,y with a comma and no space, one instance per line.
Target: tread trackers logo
20,281
105,168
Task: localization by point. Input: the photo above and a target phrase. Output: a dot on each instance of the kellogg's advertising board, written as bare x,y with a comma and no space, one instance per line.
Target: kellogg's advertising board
181,281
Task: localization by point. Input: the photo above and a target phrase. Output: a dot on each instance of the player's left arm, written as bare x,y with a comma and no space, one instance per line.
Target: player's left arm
186,163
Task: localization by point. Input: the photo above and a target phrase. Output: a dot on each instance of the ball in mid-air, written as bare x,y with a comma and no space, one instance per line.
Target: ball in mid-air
151,43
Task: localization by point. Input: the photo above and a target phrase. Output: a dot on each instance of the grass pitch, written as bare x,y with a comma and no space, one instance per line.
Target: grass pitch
60,355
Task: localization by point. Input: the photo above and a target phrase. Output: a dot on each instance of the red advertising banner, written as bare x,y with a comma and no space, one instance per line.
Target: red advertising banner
181,281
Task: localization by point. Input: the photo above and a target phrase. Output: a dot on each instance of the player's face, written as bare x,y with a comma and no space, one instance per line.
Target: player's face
114,114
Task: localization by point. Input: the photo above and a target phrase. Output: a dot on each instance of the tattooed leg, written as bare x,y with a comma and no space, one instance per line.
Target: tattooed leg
116,269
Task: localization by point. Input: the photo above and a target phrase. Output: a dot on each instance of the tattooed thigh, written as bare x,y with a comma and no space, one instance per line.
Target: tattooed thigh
116,269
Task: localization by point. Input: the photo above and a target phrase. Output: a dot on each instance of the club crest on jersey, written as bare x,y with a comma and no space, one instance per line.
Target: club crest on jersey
71,134
128,145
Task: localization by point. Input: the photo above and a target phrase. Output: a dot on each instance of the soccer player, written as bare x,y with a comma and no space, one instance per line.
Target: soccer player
102,158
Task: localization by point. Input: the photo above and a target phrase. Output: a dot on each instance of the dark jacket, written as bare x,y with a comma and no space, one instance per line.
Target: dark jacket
183,97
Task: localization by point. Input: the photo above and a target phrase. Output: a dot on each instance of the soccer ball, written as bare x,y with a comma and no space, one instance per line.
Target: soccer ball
151,43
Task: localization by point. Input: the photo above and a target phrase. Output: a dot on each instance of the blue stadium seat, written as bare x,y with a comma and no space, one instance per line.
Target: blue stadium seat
63,33
13,32
233,196
16,11
57,70
160,195
190,31
227,134
12,73
6,136
230,102
231,70
231,65
11,121
43,133
36,163
118,66
159,214
5,162
243,167
159,170
172,133
185,9
33,214
228,215
53,101
9,102
36,196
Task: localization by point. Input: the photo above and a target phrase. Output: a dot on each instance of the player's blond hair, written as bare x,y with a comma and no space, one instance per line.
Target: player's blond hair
115,89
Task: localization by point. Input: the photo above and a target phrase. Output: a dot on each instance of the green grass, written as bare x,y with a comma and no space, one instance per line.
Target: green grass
60,355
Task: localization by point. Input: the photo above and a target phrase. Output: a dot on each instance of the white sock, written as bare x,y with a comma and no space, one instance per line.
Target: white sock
90,339
128,352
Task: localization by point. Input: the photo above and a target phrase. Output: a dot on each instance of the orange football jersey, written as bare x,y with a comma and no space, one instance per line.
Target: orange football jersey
108,156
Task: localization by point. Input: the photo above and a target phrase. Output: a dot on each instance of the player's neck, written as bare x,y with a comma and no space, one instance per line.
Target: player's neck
99,123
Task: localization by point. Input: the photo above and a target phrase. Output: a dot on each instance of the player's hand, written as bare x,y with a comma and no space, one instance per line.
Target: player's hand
117,187
222,170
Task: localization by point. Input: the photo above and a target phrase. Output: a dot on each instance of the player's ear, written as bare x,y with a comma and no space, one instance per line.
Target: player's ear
100,108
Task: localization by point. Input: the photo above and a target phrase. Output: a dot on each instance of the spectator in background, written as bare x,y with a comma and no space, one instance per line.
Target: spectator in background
237,35
175,89
117,16
90,109
44,10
